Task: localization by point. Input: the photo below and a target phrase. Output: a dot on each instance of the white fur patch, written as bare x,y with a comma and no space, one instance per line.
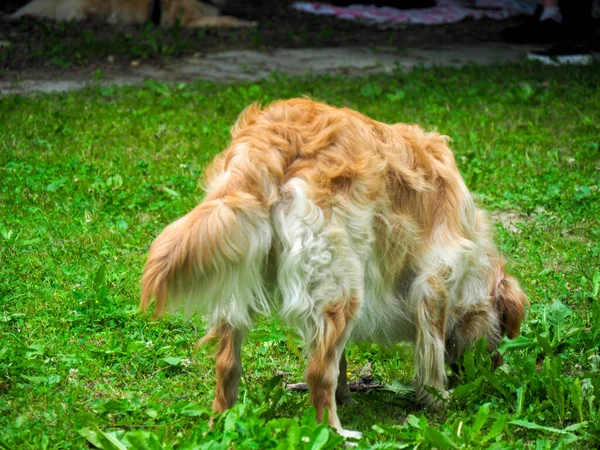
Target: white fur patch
321,260
350,434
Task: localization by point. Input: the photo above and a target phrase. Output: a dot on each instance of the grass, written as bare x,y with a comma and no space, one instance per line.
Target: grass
88,179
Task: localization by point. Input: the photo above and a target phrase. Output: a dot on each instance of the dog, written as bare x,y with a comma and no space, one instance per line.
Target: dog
190,13
346,228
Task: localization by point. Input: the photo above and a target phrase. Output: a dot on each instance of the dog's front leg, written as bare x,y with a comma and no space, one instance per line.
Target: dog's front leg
430,321
342,392
228,367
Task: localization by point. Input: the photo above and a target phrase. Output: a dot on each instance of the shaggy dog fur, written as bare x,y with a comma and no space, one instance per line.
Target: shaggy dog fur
191,13
346,228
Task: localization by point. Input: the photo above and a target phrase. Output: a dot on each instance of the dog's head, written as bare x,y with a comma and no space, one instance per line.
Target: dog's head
500,315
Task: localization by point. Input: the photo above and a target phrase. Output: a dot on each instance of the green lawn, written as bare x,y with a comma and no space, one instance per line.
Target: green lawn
88,179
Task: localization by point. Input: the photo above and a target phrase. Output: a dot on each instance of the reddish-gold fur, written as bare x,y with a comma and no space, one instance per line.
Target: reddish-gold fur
228,367
190,13
343,226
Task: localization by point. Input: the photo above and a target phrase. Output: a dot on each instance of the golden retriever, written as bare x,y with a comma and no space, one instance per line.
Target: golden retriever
191,13
346,228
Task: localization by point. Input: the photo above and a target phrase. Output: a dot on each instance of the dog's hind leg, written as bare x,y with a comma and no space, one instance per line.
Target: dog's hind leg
228,366
323,367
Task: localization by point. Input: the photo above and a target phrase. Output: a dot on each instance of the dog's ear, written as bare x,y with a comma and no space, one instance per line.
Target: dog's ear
510,304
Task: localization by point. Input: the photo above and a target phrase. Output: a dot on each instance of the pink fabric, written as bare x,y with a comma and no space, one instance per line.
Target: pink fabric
447,11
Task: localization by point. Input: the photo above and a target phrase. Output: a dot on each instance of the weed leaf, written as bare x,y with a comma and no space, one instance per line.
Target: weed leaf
171,192
91,436
172,360
143,440
319,438
535,426
496,428
56,185
520,342
482,417
193,410
438,439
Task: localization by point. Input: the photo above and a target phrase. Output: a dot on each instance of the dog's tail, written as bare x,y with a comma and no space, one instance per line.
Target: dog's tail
212,260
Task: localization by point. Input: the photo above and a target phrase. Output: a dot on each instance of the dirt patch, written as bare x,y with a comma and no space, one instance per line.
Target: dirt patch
253,65
509,219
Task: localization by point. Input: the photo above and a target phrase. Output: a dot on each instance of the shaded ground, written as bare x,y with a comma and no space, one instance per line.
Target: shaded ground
46,56
30,44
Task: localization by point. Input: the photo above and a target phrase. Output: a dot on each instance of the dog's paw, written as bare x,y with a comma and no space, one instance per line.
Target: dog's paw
345,399
350,434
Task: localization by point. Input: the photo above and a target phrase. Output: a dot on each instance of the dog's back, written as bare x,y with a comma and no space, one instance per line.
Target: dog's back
324,192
